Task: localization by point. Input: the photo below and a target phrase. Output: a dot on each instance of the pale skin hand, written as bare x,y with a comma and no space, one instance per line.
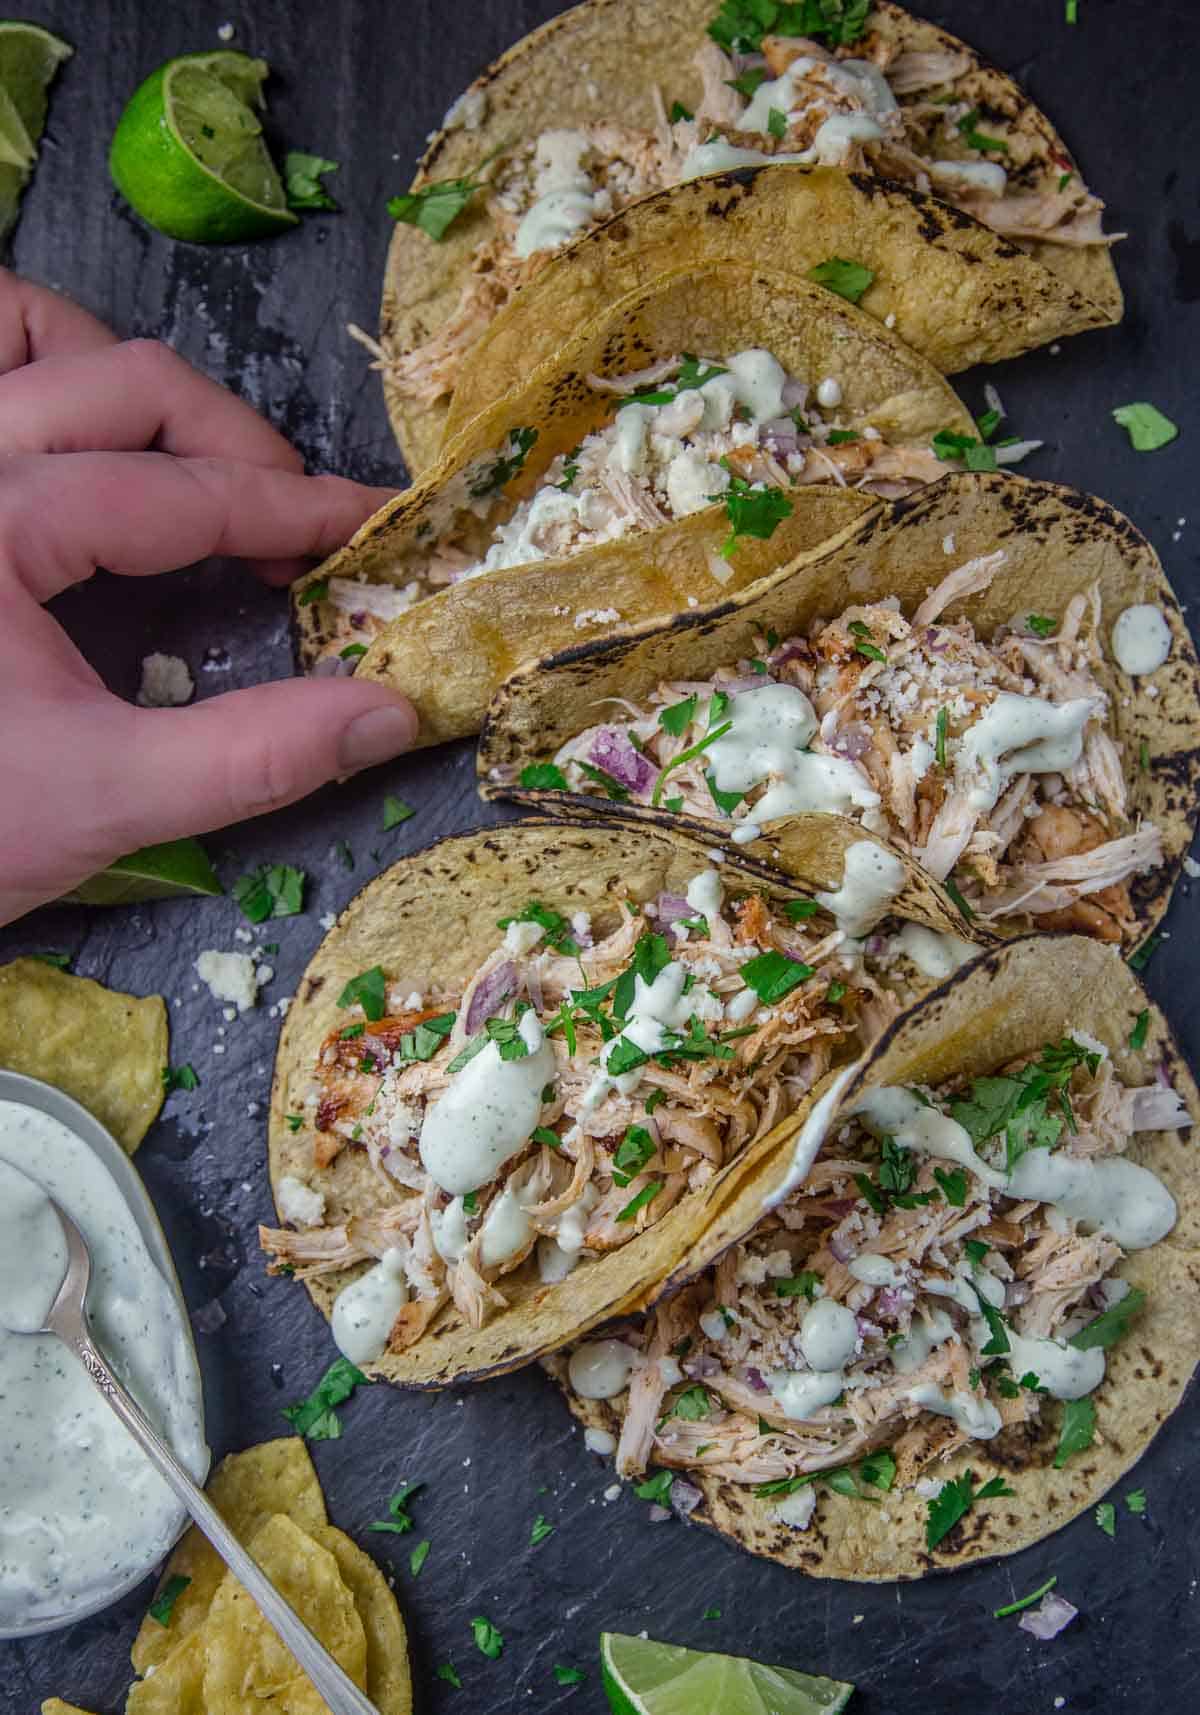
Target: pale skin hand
123,456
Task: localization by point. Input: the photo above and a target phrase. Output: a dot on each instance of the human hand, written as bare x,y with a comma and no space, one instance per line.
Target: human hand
85,777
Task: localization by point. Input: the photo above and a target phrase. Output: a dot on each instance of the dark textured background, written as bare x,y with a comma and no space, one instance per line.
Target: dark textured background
363,83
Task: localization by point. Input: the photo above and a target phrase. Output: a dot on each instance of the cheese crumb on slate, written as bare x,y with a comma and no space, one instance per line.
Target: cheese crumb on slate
166,682
231,977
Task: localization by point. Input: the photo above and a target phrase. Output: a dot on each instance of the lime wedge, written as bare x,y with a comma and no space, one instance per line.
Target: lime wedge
642,1677
188,152
156,872
29,58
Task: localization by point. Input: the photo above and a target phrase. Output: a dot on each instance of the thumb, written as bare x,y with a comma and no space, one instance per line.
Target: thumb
250,751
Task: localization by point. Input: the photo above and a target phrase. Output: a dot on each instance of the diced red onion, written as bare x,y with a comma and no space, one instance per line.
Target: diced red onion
333,667
876,944
867,1329
794,394
841,1248
743,682
533,983
891,1301
670,907
613,751
659,1515
1052,1614
497,987
755,1379
746,62
796,648
685,1497
851,741
935,642
839,1206
782,436
1016,1292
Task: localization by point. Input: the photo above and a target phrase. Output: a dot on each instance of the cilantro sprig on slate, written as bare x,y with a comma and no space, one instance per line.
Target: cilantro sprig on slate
399,1520
272,890
315,1417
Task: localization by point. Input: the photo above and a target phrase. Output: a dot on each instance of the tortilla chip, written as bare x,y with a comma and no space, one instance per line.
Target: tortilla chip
451,649
245,1665
56,1706
959,292
389,1682
433,918
105,1048
1057,542
1003,1006
176,1686
247,1489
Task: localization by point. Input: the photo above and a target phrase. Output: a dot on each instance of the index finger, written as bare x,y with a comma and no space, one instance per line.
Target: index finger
36,322
64,514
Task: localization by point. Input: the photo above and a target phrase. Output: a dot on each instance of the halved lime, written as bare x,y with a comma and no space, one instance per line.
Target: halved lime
29,58
155,872
642,1677
188,152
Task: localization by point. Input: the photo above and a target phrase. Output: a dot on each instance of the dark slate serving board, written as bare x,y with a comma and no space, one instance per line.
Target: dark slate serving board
363,82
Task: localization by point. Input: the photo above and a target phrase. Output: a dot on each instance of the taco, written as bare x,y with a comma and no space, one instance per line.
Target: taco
966,1291
518,1069
534,156
690,439
994,676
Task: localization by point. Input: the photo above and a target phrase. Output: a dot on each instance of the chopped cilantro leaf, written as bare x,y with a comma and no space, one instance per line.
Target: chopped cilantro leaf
398,1520
272,890
294,1121
488,1640
710,737
777,123
674,805
941,730
633,1152
417,1558
1141,957
802,1285
368,990
726,802
1146,426
678,112
181,1078
693,1404
756,512
651,954
613,789
1137,1036
60,961
870,651
878,1469
395,811
646,1195
998,1341
315,1417
656,1488
678,717
555,927
435,207
955,1500
953,1186
654,1099
543,777
842,437
302,176
471,1203
795,910
1041,624
575,1675
748,81
711,1614
509,464
976,1250
318,590
161,1607
975,139
740,25
957,898
541,1530
352,651
543,1134
1109,1326
773,975
1135,1500
848,279
1025,1601
345,855
1078,1429
870,1191
447,1672
1106,1518
781,1485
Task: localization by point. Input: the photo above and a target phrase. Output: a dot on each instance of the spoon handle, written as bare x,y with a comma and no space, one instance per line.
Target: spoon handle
334,1685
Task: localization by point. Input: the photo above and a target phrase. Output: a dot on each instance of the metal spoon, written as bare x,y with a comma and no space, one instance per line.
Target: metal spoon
67,1320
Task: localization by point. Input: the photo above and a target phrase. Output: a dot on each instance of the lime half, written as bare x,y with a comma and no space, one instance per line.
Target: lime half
188,152
642,1677
29,58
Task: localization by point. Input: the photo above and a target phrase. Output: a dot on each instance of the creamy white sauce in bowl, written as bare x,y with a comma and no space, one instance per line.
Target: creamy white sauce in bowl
83,1515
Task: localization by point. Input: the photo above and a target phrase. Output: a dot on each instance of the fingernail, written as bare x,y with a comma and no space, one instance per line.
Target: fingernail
376,737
